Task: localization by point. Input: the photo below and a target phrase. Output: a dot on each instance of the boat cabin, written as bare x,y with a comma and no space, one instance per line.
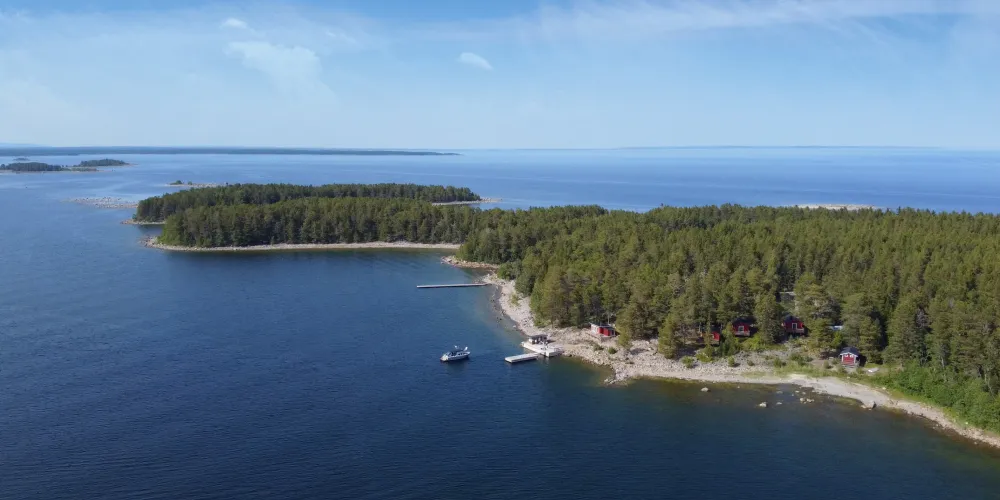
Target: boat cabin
603,330
850,357
793,326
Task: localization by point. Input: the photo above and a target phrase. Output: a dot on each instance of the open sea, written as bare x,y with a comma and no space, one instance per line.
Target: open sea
127,372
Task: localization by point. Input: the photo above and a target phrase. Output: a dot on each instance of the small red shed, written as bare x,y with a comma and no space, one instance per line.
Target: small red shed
742,327
603,330
716,336
850,357
794,326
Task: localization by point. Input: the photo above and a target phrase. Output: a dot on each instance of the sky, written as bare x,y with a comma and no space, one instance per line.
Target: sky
465,74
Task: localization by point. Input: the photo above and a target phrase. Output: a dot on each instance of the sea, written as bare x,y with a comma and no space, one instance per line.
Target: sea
131,373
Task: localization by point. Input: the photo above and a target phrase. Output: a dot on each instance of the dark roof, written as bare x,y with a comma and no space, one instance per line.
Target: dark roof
850,350
792,316
743,320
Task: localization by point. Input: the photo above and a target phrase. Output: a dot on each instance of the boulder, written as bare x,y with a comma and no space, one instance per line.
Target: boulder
763,405
704,389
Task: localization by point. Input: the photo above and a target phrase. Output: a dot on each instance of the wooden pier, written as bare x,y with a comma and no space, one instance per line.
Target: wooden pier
522,357
459,285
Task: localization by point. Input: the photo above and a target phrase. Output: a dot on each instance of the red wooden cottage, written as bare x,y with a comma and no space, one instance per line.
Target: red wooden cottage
742,327
850,357
794,326
603,330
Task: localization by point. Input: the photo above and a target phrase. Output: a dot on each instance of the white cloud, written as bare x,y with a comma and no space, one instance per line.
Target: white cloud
475,60
235,23
290,67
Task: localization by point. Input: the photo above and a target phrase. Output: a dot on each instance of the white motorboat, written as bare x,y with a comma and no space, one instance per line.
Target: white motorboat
456,354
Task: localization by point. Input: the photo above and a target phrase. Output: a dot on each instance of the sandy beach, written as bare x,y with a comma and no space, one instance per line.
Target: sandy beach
382,245
834,206
642,361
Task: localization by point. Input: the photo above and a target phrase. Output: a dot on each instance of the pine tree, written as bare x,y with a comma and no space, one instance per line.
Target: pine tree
906,336
667,342
768,316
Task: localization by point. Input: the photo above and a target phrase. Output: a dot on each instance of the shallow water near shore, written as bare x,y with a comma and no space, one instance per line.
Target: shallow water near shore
135,373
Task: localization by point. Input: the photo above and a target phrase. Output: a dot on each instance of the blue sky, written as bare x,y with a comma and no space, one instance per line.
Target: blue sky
501,74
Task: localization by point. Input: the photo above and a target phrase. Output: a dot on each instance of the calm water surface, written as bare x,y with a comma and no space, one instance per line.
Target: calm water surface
132,373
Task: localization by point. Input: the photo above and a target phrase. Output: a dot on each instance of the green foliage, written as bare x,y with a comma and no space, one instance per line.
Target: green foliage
159,208
104,162
706,354
667,341
612,350
777,363
768,316
968,397
688,361
32,166
731,361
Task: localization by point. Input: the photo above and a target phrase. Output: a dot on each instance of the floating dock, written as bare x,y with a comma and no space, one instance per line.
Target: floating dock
522,357
543,349
459,285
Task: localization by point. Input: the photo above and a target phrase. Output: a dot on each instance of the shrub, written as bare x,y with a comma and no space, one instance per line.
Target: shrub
751,363
705,355
598,348
778,363
612,350
732,362
688,361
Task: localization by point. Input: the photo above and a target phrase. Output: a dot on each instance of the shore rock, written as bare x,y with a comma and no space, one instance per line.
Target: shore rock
704,389
763,405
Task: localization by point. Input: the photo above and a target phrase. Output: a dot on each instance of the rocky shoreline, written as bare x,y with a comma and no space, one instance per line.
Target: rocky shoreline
642,361
151,242
465,264
106,202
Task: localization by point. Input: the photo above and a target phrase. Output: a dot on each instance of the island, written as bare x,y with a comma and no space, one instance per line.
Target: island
35,166
896,308
159,208
21,158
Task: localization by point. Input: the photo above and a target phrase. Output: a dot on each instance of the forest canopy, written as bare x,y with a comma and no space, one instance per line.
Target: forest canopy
910,287
159,208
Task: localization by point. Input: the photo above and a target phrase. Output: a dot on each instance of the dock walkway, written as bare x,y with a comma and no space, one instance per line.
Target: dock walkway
522,357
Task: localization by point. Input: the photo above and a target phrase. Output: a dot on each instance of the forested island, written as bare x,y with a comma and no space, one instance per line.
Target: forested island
915,290
159,208
19,165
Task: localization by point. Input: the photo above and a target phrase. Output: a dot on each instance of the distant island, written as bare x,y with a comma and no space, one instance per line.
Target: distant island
83,166
126,150
708,293
21,158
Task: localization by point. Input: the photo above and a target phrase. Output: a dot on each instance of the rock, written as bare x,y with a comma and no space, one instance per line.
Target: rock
779,402
704,389
802,400
763,405
870,405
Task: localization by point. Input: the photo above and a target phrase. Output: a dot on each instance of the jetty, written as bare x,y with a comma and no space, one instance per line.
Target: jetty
540,345
457,285
522,357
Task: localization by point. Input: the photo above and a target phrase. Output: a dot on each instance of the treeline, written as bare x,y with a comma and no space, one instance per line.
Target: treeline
909,287
32,166
159,208
104,162
319,220
19,165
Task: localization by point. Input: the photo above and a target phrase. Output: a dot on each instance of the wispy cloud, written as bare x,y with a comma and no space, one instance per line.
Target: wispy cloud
475,60
235,23
289,67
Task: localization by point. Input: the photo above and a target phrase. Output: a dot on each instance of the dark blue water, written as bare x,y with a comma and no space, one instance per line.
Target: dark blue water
132,373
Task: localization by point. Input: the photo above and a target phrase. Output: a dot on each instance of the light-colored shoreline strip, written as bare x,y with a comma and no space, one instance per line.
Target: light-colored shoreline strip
476,202
642,361
381,245
133,222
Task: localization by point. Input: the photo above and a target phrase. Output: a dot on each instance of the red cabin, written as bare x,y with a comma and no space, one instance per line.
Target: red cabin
603,330
850,357
716,337
742,327
794,326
